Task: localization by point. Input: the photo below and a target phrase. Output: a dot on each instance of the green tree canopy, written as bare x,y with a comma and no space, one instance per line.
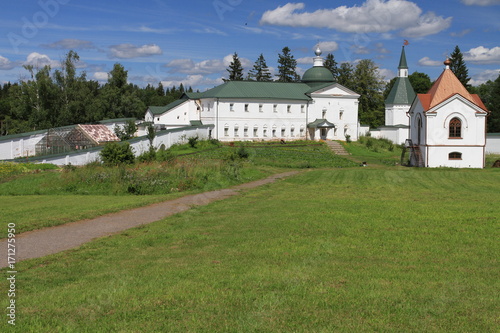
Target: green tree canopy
369,85
286,66
459,68
260,71
331,64
235,69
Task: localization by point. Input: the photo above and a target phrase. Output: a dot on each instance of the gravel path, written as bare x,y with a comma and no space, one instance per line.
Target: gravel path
39,243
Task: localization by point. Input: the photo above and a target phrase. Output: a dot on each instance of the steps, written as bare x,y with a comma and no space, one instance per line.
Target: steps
337,148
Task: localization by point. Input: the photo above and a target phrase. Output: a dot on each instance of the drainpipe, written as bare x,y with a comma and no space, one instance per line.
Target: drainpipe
217,120
307,117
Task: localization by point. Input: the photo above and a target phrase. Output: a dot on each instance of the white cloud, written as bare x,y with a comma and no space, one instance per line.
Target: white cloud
101,76
426,61
379,16
483,55
40,60
209,30
461,33
210,66
480,78
481,2
328,46
192,81
6,64
127,51
70,44
386,74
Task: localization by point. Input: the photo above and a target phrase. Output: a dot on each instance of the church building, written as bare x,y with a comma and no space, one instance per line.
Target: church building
447,126
317,108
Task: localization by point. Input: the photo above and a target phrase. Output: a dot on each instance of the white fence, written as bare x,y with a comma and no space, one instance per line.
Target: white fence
139,145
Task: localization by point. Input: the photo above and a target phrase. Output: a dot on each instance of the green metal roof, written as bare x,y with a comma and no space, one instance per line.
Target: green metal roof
402,60
196,123
318,74
321,123
401,93
259,90
157,110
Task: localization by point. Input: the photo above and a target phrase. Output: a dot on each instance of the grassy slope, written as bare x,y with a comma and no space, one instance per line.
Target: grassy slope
344,250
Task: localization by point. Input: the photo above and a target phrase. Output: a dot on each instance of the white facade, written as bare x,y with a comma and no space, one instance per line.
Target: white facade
449,131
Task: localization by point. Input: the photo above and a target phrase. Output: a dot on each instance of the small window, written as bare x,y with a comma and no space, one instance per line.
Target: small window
341,114
246,107
292,130
274,133
275,108
260,108
235,132
283,132
455,156
455,128
231,107
302,109
245,132
255,132
226,131
289,108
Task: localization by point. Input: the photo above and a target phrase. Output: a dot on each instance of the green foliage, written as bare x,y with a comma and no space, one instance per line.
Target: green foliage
115,153
127,131
331,65
192,141
287,66
369,85
459,68
260,72
235,69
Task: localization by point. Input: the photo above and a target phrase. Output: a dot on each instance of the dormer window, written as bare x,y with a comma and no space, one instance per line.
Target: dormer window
455,129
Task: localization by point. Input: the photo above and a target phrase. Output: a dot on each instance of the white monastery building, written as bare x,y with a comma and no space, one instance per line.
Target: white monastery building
315,108
448,126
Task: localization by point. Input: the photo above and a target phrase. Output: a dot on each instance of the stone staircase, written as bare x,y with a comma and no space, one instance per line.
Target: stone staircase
336,147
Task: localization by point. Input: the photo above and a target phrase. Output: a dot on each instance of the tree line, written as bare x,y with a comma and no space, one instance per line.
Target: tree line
52,98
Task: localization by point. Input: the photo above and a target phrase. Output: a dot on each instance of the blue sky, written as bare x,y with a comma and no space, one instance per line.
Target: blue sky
192,42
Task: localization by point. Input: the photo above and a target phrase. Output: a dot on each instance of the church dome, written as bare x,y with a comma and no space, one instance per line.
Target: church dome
318,74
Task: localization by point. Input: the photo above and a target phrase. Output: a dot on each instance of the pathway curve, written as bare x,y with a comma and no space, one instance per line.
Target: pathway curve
39,243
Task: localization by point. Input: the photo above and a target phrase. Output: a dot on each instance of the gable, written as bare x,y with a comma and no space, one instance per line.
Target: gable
335,90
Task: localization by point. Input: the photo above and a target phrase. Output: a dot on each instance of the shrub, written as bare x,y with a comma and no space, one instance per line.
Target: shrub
115,153
243,152
192,141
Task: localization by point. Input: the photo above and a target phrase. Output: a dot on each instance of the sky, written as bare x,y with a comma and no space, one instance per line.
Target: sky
193,42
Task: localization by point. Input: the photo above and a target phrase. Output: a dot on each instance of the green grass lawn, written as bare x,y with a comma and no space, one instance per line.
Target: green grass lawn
332,250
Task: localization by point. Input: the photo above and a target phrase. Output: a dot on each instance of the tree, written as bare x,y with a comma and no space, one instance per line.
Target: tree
235,69
346,75
286,67
420,82
260,71
331,64
459,68
493,105
369,85
116,153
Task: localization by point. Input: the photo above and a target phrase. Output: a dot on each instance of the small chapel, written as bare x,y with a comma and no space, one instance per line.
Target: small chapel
447,125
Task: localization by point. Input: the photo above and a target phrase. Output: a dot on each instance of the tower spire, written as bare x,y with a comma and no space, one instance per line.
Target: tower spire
403,66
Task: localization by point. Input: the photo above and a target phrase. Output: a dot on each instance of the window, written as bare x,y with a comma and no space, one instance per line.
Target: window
289,108
455,128
274,133
226,131
260,108
231,107
246,107
283,132
292,130
255,132
245,131
275,108
302,108
455,156
341,114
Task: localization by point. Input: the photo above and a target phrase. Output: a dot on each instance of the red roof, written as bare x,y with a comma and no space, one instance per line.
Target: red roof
446,86
99,133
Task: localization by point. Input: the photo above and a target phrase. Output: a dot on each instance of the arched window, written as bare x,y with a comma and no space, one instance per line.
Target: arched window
455,128
455,156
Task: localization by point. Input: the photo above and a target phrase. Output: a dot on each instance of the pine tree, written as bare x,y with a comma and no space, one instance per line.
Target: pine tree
459,68
369,85
493,105
235,69
260,71
331,64
346,75
286,67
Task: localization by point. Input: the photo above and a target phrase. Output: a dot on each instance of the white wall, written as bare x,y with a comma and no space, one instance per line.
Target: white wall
139,145
493,144
15,146
472,157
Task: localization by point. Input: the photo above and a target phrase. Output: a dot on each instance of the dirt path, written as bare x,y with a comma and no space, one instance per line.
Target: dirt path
39,243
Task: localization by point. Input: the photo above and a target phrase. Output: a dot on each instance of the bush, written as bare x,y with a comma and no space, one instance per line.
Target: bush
192,141
243,152
115,153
